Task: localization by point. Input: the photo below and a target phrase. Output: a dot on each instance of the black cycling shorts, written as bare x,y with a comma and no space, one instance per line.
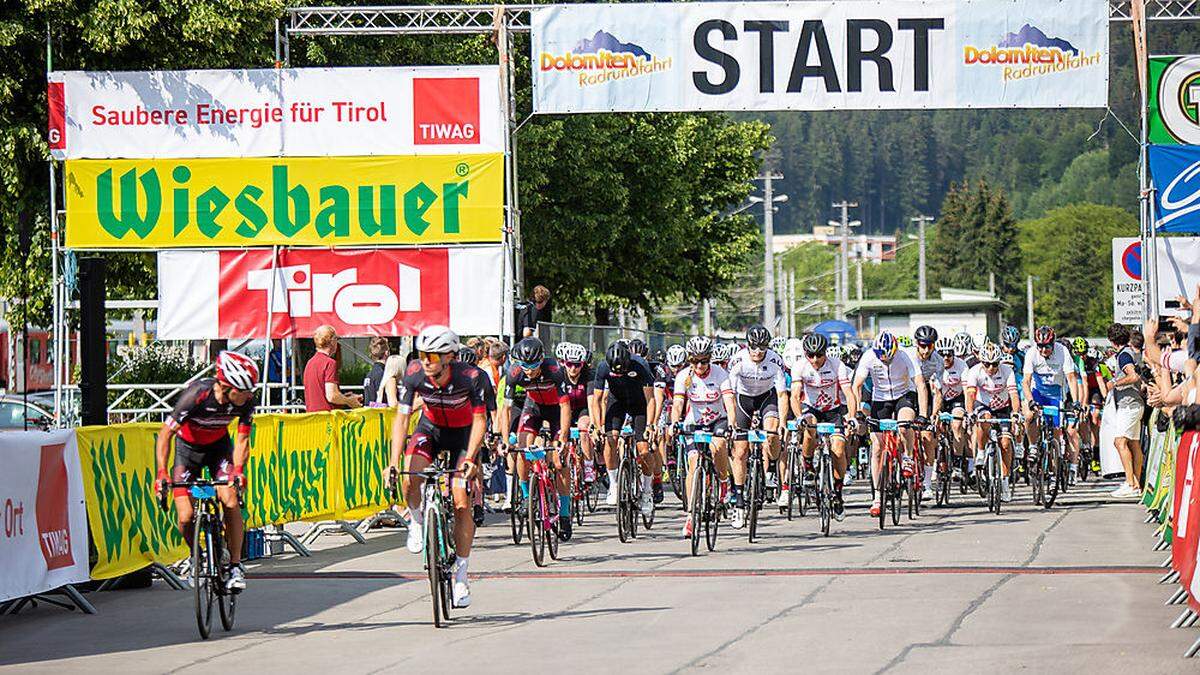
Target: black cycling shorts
886,410
952,404
614,417
765,404
428,440
1002,416
191,460
837,417
534,414
717,429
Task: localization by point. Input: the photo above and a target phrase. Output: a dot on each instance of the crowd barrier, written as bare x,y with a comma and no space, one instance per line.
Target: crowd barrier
1172,497
302,468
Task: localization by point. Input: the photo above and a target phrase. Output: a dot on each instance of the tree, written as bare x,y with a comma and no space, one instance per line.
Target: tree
976,236
1069,252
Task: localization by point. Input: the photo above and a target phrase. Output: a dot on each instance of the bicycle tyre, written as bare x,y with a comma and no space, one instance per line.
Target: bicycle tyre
712,497
885,479
635,498
897,489
623,499
203,569
551,503
534,521
226,599
516,511
753,488
963,486
795,482
696,513
432,566
825,495
1050,468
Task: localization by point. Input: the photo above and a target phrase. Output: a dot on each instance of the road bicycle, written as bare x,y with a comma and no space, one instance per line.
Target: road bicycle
993,469
1048,461
706,506
891,475
797,487
629,485
543,501
943,459
914,480
677,467
439,528
573,466
824,493
208,553
757,477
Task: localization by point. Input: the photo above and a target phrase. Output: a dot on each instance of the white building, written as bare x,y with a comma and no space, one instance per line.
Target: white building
874,248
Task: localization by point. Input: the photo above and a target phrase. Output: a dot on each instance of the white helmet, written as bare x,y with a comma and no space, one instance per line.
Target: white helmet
722,351
989,353
676,356
570,353
792,350
560,349
237,370
437,340
699,346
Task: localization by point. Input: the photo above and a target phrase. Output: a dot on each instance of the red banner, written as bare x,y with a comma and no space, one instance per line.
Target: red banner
1185,528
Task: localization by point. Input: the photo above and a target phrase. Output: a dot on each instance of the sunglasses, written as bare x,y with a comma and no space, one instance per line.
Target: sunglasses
991,365
574,365
432,357
813,355
528,365
700,361
946,354
1049,345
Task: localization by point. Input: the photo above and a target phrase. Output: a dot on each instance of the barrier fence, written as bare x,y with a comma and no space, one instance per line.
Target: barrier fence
302,468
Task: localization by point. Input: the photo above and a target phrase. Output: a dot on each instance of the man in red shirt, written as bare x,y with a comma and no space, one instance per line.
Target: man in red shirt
321,391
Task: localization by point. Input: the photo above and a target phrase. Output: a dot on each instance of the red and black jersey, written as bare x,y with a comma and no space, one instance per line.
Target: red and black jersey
548,388
453,405
578,392
200,420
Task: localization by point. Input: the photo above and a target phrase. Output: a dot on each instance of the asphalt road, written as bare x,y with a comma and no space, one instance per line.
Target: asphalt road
1072,589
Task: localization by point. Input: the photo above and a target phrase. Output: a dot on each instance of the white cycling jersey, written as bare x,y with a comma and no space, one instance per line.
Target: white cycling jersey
703,393
747,378
930,367
949,382
822,386
889,381
992,391
1049,375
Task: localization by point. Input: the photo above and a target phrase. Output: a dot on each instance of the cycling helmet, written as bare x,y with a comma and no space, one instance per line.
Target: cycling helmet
237,370
467,355
989,353
885,345
699,346
573,353
638,346
1010,337
722,351
529,351
851,354
1079,346
834,352
926,335
1007,359
658,356
815,344
963,345
1043,336
777,344
676,356
442,340
758,337
944,346
559,350
904,341
619,358
793,348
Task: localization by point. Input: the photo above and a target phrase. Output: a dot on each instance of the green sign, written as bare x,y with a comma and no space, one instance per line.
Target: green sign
1174,100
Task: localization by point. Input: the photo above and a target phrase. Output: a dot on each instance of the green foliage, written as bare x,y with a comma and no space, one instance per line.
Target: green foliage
156,363
975,237
895,279
1068,252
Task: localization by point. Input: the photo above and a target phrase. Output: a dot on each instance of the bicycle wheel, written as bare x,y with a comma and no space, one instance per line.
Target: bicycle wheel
1050,465
753,494
804,490
825,494
897,489
963,485
624,500
516,510
698,506
795,482
885,489
946,471
204,563
677,470
712,498
432,564
1035,480
635,498
534,521
550,506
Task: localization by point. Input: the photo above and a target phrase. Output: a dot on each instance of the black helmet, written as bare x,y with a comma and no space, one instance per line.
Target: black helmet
529,350
815,344
637,346
618,358
658,356
758,337
925,336
467,355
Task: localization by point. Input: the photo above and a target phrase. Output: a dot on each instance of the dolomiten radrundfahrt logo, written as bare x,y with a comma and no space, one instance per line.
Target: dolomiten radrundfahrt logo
604,58
1028,53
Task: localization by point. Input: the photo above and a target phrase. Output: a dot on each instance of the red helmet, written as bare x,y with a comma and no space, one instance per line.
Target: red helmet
1043,336
237,370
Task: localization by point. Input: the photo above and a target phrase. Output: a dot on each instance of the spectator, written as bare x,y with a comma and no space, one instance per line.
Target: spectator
530,312
379,351
1129,404
389,395
321,390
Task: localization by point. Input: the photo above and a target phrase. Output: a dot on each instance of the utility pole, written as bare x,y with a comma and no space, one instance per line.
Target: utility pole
791,316
859,295
768,199
1029,303
845,206
781,293
706,321
921,220
837,286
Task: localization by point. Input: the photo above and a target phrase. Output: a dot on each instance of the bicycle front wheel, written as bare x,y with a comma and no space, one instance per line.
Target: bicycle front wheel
753,496
204,571
825,495
516,511
712,505
696,510
432,565
885,488
1050,472
537,531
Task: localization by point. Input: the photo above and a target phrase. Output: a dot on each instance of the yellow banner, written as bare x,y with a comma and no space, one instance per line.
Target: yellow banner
310,467
286,201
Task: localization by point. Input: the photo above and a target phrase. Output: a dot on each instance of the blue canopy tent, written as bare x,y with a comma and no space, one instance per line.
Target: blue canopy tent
839,332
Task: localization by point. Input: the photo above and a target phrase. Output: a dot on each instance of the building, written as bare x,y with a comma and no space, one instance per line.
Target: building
874,248
975,312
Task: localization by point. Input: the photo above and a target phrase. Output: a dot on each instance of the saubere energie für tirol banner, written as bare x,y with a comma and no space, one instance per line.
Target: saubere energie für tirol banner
820,55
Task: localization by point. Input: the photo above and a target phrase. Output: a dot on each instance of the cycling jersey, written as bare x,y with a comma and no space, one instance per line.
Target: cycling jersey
548,388
929,367
1048,376
1018,365
889,381
991,390
747,378
453,405
822,387
703,393
627,388
200,420
577,392
949,383
663,377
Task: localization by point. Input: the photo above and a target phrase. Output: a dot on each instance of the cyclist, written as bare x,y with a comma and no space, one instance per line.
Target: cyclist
757,380
470,357
547,403
626,386
897,392
930,365
821,394
721,353
858,433
948,396
664,383
702,392
199,423
964,348
1089,436
1049,376
580,387
1010,339
991,395
453,419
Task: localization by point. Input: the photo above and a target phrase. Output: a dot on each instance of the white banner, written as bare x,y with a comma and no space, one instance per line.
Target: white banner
845,54
44,539
230,294
297,112
1178,275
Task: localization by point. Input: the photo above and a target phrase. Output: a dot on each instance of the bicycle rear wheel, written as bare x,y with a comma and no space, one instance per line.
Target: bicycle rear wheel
795,482
550,506
698,505
624,502
226,599
753,496
1050,465
897,489
825,494
204,564
885,487
712,498
535,521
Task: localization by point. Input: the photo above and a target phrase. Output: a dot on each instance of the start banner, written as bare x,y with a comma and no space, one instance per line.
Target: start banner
229,294
841,54
309,201
43,543
290,112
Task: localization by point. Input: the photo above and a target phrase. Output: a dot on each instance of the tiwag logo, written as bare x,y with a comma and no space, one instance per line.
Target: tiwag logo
603,58
53,516
1030,53
445,110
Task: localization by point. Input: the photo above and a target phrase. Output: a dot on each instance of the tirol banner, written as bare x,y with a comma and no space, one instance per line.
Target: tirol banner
1174,100
231,294
309,201
290,112
43,543
1178,275
842,54
1175,174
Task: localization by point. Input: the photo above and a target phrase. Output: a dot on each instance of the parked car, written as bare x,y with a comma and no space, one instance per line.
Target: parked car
14,411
